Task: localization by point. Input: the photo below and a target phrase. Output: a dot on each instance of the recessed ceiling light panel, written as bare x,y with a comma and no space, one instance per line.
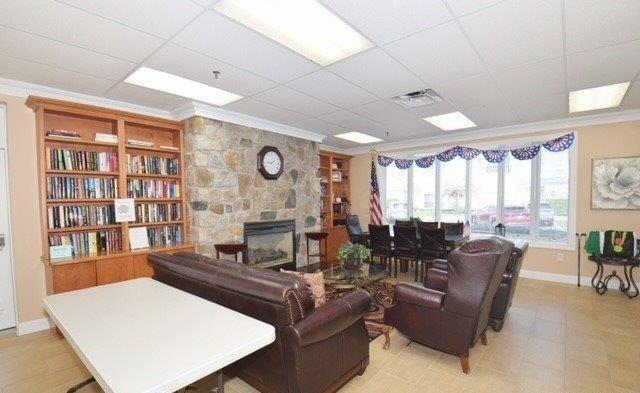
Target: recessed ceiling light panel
358,137
451,121
177,85
305,26
597,97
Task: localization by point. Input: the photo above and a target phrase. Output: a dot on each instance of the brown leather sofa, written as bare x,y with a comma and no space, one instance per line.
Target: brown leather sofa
316,350
504,296
454,316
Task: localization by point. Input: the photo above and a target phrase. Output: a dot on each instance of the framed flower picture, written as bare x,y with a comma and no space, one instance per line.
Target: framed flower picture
615,183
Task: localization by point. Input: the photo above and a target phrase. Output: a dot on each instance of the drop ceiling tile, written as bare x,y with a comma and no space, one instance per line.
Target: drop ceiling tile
384,112
533,80
319,126
40,74
492,115
439,108
604,66
332,88
437,55
516,32
340,143
463,7
263,110
206,3
542,108
353,122
383,22
293,100
219,37
187,63
631,100
378,73
61,22
146,97
595,23
174,14
471,92
42,50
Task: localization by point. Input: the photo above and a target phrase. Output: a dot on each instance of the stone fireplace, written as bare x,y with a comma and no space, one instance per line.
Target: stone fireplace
225,190
271,244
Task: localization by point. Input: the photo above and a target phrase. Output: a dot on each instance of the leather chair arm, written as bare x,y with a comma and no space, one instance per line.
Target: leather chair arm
441,264
418,295
331,318
436,279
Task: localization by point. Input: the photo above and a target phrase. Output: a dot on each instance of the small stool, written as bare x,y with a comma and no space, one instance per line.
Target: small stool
320,237
230,249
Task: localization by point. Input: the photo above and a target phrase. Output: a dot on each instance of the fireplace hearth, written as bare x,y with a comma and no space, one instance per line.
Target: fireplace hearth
271,244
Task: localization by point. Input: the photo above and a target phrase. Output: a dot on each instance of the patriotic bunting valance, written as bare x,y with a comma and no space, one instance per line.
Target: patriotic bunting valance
494,156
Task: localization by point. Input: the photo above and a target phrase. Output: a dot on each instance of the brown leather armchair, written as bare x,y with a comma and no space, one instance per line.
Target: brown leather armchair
316,350
453,317
502,299
504,296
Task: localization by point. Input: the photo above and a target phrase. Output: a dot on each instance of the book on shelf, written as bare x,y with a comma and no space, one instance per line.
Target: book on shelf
80,215
80,160
58,133
158,212
148,188
165,236
86,243
109,138
74,188
137,164
136,142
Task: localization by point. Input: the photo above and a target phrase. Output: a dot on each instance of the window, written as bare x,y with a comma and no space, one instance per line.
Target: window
483,195
424,193
532,198
397,183
516,215
453,190
553,209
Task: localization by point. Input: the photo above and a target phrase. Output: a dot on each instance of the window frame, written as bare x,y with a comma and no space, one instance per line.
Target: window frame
536,164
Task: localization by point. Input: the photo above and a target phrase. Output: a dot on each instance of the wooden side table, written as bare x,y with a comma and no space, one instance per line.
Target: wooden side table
230,249
320,237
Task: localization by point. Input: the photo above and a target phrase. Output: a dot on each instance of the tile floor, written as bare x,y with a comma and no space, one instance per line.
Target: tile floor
557,338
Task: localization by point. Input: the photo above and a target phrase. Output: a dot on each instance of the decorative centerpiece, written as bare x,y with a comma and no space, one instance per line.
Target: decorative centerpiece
353,255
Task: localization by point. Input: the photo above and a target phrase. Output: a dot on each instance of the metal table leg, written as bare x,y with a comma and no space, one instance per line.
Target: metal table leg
82,384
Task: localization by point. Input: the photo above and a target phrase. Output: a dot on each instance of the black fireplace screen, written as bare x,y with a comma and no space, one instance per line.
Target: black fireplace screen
271,244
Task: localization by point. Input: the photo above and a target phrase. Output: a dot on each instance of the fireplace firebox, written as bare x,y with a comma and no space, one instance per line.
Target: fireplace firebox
270,244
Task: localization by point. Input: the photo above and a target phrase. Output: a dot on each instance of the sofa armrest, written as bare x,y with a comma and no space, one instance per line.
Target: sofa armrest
436,279
418,295
331,318
441,264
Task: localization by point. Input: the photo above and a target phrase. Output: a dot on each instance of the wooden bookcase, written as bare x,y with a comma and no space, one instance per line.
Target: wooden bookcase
87,269
334,183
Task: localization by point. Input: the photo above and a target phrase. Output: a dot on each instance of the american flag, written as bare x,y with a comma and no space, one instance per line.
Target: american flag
374,200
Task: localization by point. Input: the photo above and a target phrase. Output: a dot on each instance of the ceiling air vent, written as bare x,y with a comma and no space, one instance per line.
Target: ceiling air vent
418,98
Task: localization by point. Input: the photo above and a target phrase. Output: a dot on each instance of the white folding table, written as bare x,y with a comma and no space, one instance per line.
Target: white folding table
142,336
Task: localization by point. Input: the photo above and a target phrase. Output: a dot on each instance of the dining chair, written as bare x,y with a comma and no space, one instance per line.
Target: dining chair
428,224
381,243
453,228
403,223
432,246
356,235
406,247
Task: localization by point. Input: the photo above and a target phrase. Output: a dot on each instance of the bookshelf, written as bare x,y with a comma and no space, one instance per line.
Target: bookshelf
80,177
335,198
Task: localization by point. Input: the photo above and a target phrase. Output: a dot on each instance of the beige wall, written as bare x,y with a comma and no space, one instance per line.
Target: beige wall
610,140
25,212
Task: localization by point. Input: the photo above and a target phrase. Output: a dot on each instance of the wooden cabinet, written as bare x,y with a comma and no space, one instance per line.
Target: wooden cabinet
337,236
141,267
114,269
74,276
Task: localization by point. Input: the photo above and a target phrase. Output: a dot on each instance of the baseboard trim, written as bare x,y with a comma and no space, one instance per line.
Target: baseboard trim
563,278
36,325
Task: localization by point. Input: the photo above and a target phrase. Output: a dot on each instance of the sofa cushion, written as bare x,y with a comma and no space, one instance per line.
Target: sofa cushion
316,283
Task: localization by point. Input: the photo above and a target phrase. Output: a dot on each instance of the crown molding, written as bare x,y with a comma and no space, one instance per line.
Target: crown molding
332,149
23,90
193,108
506,131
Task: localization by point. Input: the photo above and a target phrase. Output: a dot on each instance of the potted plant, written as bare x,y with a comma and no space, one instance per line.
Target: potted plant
352,255
416,221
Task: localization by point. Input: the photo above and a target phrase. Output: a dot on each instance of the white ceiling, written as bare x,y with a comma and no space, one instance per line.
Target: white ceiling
501,62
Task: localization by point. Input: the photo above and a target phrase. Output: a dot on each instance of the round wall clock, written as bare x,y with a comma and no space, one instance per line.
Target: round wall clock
270,163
